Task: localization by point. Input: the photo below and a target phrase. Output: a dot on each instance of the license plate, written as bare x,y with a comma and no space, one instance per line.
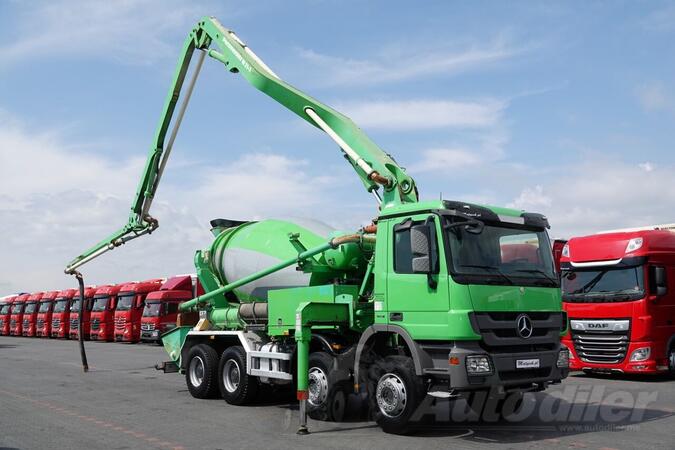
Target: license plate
527,363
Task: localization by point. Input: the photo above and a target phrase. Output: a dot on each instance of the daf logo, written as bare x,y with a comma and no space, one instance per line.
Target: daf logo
524,326
598,325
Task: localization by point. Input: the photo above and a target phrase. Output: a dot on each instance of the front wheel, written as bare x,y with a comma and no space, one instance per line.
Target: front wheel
202,371
395,392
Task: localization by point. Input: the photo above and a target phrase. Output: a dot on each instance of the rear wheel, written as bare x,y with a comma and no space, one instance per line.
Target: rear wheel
395,392
236,386
327,398
202,371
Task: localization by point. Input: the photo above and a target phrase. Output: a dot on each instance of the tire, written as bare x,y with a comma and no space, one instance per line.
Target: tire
394,393
327,397
236,386
489,405
671,361
202,371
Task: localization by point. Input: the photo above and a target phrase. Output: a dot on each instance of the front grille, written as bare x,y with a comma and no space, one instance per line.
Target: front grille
56,323
74,324
500,333
147,326
603,347
95,324
40,323
26,323
120,323
12,323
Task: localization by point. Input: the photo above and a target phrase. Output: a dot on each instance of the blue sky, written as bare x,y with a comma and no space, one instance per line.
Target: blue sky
562,108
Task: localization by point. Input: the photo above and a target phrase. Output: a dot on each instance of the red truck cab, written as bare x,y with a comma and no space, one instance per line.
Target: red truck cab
619,294
130,305
30,312
5,307
16,315
74,332
103,313
61,314
161,307
43,326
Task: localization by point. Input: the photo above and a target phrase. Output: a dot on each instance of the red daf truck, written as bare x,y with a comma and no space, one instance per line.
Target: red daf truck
43,326
16,315
161,307
103,313
5,307
619,294
61,313
30,312
74,332
130,305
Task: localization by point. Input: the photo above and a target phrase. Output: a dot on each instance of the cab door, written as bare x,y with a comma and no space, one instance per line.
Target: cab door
417,301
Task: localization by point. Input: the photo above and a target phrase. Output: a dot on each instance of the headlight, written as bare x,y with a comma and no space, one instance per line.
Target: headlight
563,358
155,333
478,365
566,251
640,354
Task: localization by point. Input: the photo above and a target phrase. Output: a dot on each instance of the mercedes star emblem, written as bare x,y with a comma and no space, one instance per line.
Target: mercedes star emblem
524,326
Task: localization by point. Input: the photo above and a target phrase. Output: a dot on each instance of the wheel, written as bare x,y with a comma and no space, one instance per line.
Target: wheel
671,361
481,403
327,397
202,371
394,393
236,387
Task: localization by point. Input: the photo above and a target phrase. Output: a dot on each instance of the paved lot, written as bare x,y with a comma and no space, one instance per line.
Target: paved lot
47,402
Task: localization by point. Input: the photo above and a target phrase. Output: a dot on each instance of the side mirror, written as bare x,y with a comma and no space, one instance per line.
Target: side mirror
420,247
660,283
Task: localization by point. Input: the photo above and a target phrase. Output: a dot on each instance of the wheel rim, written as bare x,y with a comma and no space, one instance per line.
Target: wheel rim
231,375
318,386
391,395
196,370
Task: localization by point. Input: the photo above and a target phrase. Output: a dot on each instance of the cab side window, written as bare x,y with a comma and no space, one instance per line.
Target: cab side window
402,251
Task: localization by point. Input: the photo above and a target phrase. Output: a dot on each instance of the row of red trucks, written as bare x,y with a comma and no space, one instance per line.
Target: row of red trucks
129,312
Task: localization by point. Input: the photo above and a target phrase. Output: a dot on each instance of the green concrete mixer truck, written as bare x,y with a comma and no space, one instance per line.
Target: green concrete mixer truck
428,300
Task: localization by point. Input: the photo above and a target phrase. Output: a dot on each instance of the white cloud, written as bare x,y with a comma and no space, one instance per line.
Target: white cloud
653,96
55,202
598,195
408,61
133,31
422,114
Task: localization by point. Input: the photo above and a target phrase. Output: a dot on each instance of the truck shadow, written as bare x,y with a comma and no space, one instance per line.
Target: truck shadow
636,378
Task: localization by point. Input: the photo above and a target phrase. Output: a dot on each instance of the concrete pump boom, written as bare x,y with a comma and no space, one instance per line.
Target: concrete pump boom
374,167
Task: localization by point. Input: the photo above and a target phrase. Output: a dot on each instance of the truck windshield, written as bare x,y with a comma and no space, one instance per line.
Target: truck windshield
501,254
100,303
30,308
152,309
603,285
124,302
4,309
44,306
75,305
60,305
17,308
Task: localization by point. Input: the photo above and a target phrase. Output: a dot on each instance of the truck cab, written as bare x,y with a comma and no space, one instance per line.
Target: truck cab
74,331
30,313
61,314
130,306
161,307
16,315
619,293
44,315
103,313
5,307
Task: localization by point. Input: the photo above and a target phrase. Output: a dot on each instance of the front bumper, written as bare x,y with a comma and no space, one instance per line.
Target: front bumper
504,370
652,365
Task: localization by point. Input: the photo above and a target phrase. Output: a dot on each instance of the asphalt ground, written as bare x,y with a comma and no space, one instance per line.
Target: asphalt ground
47,402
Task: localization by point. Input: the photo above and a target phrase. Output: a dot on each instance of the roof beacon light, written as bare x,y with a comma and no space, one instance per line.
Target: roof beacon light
634,244
566,251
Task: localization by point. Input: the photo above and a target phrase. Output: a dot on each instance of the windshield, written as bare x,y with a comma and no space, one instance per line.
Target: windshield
44,306
124,302
100,303
30,308
4,309
17,308
501,254
616,284
152,309
60,304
